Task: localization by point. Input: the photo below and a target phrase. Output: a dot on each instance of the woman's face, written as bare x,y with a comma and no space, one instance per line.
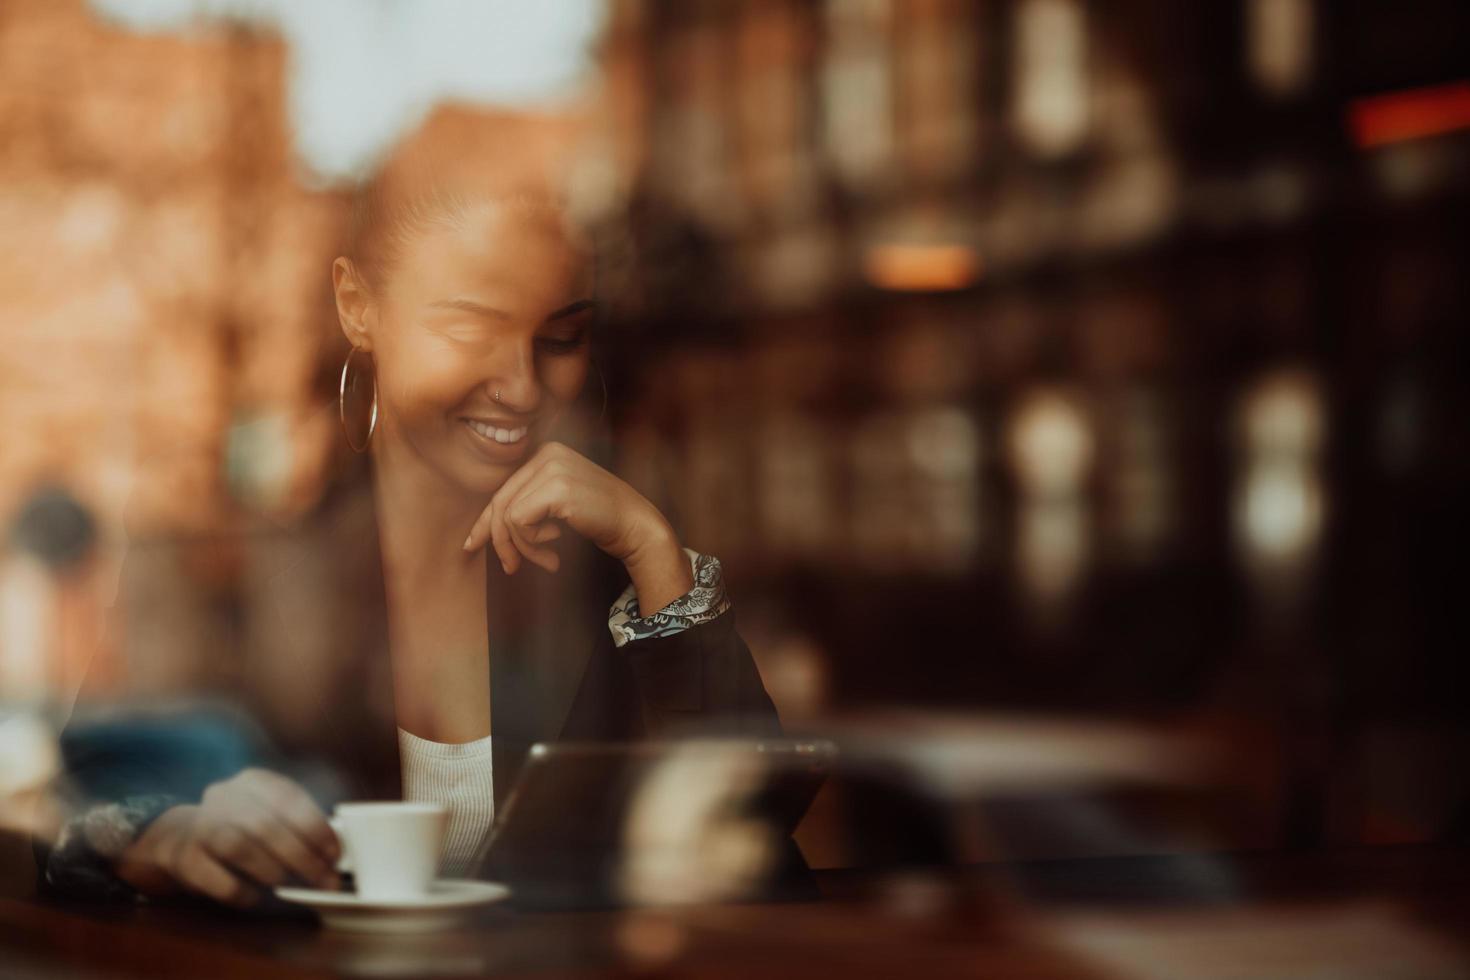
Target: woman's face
496,300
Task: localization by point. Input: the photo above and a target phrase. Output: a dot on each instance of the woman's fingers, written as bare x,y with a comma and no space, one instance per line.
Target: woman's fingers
548,531
524,540
512,544
522,517
292,806
480,532
538,505
490,526
290,849
256,828
200,871
489,529
528,541
287,823
505,548
230,846
483,529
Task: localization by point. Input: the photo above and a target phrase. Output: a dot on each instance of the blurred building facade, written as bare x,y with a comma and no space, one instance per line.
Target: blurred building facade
161,256
164,296
1098,355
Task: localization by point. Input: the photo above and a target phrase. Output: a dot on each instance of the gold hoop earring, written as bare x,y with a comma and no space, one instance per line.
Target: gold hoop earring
342,387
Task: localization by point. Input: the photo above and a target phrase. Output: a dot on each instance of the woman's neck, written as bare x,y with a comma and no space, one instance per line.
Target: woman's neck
422,520
437,630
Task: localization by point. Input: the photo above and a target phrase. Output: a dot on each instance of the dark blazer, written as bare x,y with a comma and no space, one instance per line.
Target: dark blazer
318,692
555,671
558,673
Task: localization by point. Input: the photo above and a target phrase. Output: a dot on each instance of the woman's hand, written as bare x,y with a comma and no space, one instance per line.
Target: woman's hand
559,486
250,832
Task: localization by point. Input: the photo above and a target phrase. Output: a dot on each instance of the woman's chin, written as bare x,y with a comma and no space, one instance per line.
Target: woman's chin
483,478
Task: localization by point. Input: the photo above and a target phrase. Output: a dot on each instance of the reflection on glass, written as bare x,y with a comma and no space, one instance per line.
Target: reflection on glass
27,611
1279,500
1051,449
944,446
797,674
716,487
916,489
684,839
857,90
1279,44
1050,84
1050,444
1143,490
1280,511
29,762
793,267
796,485
938,85
1051,549
882,522
693,150
1283,417
916,266
770,43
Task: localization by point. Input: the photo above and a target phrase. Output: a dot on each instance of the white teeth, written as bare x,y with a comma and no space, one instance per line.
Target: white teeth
499,435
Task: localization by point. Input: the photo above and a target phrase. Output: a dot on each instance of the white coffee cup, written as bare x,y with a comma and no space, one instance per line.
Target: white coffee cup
392,849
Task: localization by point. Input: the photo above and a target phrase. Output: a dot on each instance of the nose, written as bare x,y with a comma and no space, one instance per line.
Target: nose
513,376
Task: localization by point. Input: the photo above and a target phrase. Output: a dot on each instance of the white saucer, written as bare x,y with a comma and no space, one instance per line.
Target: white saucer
447,904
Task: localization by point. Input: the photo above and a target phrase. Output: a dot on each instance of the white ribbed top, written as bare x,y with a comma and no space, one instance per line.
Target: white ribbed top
458,776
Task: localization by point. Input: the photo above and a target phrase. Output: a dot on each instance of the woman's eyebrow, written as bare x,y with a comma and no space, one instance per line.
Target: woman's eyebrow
570,309
470,306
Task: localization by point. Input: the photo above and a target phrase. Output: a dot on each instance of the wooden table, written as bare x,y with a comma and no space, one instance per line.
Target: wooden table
1076,919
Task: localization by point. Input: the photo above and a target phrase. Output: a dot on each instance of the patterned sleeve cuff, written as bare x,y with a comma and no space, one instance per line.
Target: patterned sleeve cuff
706,601
81,862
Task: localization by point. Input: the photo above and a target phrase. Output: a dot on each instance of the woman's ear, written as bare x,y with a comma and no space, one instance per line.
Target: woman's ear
353,303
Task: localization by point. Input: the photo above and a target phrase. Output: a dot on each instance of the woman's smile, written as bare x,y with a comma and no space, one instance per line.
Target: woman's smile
499,433
501,441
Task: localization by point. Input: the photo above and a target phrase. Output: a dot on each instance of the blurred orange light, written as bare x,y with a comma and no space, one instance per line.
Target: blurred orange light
922,268
1415,114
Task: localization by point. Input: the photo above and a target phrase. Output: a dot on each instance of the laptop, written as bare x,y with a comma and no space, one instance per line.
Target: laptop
594,824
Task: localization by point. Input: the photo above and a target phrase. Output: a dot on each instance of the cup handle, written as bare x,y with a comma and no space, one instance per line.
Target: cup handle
344,859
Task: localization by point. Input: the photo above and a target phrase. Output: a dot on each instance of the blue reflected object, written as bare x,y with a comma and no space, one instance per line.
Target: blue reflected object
176,754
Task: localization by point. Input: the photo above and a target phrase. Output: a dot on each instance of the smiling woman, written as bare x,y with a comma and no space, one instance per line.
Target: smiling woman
456,341
469,297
